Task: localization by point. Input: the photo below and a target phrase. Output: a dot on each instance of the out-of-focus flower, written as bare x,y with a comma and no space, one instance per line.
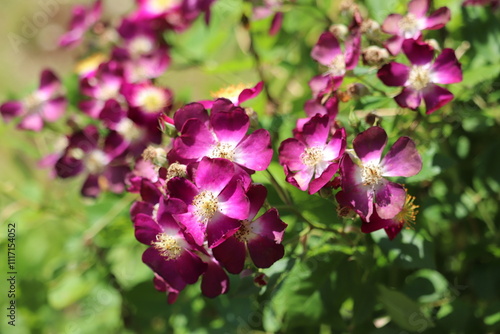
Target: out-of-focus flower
311,162
237,94
262,237
270,7
411,25
83,19
419,79
44,105
364,183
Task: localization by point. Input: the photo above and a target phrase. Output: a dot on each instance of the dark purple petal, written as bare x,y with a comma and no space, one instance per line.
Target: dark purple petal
115,177
231,254
166,269
256,194
141,207
409,98
435,97
394,74
215,281
276,23
146,229
438,19
402,159
150,192
391,24
114,145
446,68
49,84
254,151
326,49
90,187
369,144
182,189
190,267
162,286
192,110
393,230
68,167
354,192
318,183
269,226
92,108
315,132
221,227
222,105
195,142
418,52
375,223
389,199
214,174
418,7
230,126
11,109
265,252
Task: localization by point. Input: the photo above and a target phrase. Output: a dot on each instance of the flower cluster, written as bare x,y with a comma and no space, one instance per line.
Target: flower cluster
199,215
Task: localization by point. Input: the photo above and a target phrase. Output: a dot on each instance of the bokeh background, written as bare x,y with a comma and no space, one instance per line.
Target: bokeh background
78,264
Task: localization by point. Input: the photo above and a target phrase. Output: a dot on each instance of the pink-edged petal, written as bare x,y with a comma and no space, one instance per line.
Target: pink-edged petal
394,74
336,147
190,267
438,19
32,122
418,7
265,252
192,110
389,199
233,201
214,174
358,196
146,229
182,189
256,194
326,49
54,109
394,44
369,144
195,142
269,226
166,269
323,179
221,227
49,84
418,52
215,281
231,255
435,97
193,226
11,109
446,69
402,159
302,178
352,51
276,23
319,84
250,93
254,151
409,98
290,151
230,126
316,131
391,24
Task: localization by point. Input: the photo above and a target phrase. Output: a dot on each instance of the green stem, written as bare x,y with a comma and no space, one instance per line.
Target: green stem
282,193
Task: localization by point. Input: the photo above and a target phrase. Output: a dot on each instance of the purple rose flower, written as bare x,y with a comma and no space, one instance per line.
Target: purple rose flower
44,105
419,80
215,201
262,237
311,162
411,25
364,184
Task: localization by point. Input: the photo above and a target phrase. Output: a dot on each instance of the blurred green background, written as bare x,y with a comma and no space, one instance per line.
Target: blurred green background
79,267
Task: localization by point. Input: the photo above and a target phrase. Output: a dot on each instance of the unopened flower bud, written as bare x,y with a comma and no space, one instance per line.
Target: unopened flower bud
375,56
339,30
167,125
357,90
370,27
156,155
346,212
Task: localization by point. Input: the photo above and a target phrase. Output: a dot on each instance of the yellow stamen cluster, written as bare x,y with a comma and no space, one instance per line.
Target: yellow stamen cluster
408,214
337,66
371,174
167,246
409,25
90,63
152,99
312,156
231,92
206,204
222,150
243,233
95,161
419,77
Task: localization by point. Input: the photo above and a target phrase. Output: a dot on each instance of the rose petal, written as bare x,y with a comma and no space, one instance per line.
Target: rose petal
394,74
402,159
446,68
369,144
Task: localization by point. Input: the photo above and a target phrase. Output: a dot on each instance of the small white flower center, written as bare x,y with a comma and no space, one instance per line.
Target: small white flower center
337,66
140,46
129,130
409,25
371,174
33,103
206,205
96,161
152,99
222,150
231,93
167,246
419,77
244,232
312,156
107,92
160,6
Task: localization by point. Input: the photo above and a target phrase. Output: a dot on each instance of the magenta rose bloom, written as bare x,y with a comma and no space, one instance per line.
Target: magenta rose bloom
311,162
44,105
215,201
262,237
364,184
411,25
171,253
224,137
419,80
